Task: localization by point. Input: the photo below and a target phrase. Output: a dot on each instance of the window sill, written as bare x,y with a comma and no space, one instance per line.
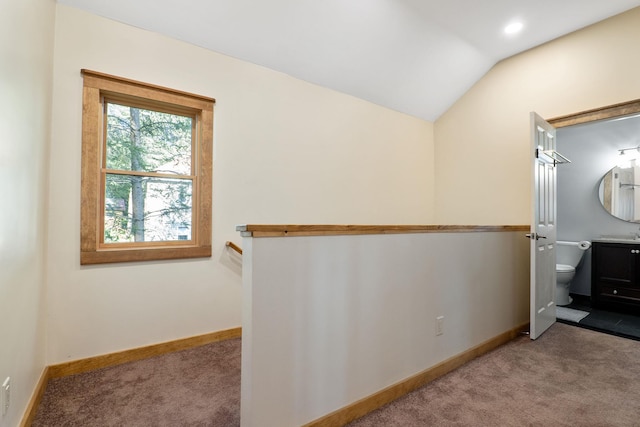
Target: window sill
145,254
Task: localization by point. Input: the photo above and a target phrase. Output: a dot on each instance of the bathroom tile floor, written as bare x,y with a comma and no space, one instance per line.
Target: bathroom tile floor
624,323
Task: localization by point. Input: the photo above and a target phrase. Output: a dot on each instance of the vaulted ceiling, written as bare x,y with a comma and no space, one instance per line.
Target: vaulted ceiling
414,56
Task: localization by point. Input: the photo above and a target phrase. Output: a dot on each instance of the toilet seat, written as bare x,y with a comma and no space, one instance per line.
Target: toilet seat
564,268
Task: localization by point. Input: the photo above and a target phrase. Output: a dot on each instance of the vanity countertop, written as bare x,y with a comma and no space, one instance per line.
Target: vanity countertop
617,239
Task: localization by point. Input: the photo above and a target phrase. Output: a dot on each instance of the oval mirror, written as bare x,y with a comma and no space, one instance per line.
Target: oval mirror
619,193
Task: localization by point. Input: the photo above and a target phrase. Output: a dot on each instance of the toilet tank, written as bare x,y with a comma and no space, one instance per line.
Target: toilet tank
570,253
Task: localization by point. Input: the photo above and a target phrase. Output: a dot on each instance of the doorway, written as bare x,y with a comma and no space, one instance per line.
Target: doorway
593,140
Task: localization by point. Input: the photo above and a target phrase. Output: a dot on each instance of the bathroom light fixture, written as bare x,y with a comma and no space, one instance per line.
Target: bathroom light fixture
623,151
628,156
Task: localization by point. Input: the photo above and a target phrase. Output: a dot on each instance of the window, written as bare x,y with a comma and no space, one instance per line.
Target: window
146,172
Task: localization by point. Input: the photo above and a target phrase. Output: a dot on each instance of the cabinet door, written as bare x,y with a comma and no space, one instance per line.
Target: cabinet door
615,264
616,276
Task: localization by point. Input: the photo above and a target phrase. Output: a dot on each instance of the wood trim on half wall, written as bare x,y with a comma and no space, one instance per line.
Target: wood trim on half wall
371,403
289,230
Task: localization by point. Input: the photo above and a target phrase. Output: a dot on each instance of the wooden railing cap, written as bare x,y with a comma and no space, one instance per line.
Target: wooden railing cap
287,230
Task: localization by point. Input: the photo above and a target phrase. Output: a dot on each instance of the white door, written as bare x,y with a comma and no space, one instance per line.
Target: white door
543,227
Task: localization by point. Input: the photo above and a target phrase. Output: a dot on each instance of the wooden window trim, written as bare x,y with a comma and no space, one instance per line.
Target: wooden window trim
98,85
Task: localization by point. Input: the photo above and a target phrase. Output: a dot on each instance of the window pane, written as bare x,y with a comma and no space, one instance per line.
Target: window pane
145,209
146,140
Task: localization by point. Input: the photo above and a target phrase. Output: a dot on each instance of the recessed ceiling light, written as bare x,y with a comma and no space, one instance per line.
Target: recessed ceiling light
513,28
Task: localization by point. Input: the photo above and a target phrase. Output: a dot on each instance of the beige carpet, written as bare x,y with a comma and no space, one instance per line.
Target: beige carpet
196,387
568,377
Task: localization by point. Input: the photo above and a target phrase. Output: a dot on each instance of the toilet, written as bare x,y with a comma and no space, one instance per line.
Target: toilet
568,259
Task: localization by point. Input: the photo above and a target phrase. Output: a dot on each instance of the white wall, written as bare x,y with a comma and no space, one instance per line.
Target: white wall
26,55
482,142
285,151
329,320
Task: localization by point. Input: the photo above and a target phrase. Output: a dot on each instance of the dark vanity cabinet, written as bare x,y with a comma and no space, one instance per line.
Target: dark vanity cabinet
615,274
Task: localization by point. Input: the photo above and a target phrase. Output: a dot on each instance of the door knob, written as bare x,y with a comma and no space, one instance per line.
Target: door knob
535,236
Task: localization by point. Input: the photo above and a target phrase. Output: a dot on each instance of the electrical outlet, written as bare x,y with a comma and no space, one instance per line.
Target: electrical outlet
5,395
439,325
